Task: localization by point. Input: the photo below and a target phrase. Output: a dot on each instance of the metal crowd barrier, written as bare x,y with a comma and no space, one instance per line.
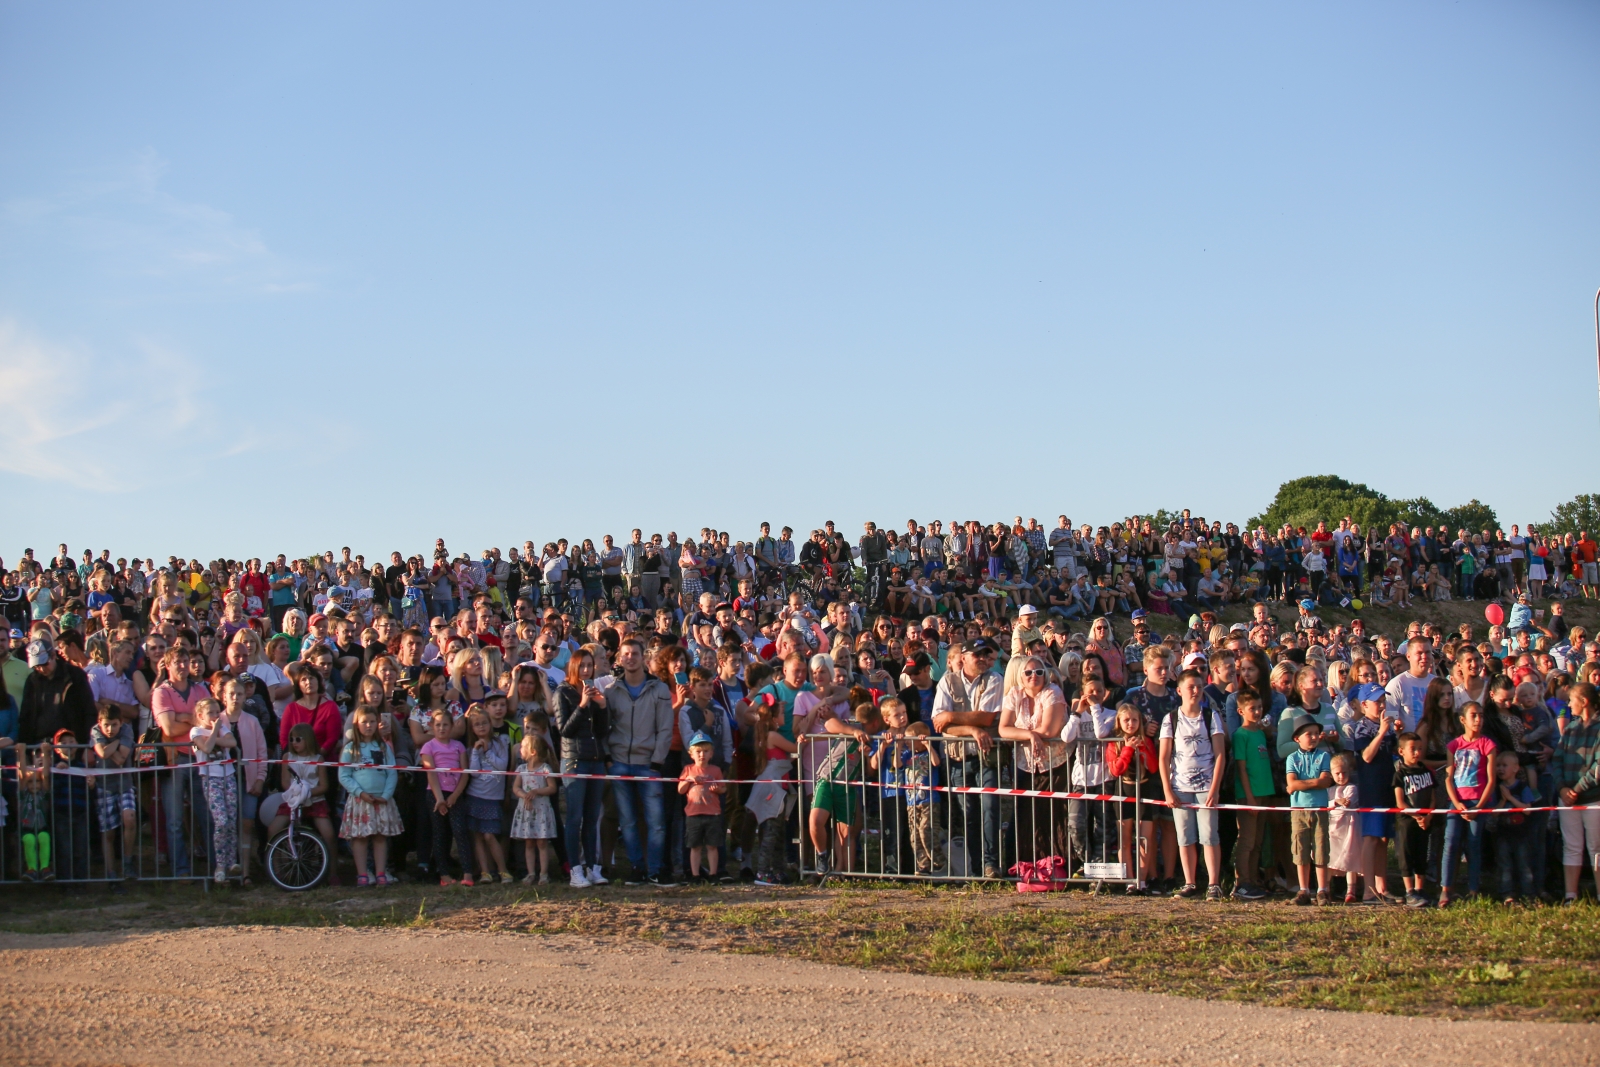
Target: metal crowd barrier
71,822
908,817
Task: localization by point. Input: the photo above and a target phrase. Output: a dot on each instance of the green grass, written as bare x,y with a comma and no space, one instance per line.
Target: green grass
1478,959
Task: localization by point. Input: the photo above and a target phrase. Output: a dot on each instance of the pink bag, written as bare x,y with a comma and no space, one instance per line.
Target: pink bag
1047,875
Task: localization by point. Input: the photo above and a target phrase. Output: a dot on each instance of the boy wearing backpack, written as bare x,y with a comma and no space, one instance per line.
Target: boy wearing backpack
1193,755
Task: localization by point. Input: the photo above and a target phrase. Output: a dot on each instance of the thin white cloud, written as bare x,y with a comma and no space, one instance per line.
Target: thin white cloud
69,414
158,244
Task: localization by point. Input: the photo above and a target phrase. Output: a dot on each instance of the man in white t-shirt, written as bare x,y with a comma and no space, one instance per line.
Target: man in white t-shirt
1407,691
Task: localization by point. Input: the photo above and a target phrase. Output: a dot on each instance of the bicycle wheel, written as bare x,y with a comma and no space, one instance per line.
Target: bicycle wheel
296,860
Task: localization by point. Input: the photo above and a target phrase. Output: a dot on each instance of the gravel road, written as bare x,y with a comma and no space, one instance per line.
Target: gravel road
348,996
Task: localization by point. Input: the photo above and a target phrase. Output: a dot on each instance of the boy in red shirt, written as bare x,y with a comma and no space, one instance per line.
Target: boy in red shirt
701,783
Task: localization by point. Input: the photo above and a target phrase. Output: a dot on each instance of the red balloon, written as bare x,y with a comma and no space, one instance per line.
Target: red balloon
1495,614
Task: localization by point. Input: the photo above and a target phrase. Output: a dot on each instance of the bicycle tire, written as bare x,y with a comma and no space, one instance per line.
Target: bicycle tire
296,860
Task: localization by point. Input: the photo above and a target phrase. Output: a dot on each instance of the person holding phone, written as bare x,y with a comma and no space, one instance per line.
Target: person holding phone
583,723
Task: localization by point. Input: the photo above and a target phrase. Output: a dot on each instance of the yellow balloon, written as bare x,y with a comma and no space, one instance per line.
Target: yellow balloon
1356,604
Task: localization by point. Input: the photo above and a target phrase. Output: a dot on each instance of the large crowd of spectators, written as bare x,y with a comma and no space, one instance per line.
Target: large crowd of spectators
588,678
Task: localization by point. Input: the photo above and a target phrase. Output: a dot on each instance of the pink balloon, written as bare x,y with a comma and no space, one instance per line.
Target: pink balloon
1495,614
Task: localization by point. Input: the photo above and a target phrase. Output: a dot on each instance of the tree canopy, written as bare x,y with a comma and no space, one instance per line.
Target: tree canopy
1329,498
1582,512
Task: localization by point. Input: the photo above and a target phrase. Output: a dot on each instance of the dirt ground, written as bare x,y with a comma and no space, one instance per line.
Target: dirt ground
380,996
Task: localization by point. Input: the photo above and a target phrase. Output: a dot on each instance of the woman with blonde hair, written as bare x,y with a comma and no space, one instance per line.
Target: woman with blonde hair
1033,714
1103,641
468,683
528,692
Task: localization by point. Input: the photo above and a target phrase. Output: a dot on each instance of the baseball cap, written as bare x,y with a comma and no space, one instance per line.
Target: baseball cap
39,651
1194,659
1027,609
979,645
18,635
1308,604
700,738
492,694
918,662
1138,613
1370,691
1239,628
316,618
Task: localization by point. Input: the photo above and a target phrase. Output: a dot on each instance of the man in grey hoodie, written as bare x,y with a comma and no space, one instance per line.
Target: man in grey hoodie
641,733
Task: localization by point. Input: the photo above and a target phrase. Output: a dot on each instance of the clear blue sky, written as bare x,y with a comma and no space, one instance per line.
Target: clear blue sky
311,275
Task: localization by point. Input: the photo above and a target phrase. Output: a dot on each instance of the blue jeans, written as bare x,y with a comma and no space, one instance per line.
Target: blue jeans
976,816
1513,849
631,797
1459,834
178,786
583,798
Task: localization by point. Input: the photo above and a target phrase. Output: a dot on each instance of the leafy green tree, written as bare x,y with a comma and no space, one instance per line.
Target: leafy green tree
1473,516
1329,498
1582,512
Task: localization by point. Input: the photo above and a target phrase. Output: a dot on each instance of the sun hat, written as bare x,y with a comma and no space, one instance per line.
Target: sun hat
1305,722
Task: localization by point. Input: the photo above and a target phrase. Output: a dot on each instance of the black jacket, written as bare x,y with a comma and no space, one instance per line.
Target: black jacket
583,730
62,701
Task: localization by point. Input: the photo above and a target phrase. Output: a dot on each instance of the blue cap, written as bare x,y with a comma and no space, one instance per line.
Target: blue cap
1371,691
702,738
1308,604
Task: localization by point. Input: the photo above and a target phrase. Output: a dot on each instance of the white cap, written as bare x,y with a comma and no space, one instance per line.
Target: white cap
1027,609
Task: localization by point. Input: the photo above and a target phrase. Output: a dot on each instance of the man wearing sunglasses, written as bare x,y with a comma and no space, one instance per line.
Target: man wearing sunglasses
546,648
966,704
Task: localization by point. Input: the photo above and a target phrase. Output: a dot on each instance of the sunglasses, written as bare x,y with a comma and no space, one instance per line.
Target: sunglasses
1033,674
551,648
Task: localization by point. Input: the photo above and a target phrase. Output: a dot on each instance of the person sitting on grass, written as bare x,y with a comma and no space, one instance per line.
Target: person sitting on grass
702,787
1309,775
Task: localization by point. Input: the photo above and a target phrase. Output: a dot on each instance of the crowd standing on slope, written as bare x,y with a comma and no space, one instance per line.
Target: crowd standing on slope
364,695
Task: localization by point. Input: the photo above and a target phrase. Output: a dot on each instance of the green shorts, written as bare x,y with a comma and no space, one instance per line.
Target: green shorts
835,799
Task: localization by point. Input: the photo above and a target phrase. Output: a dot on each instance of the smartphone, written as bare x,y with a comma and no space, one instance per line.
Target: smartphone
681,678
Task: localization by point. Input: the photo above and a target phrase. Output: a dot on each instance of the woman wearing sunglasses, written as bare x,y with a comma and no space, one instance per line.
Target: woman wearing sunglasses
1032,715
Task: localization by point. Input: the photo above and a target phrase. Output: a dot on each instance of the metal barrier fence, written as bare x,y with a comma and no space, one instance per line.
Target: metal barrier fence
917,808
69,822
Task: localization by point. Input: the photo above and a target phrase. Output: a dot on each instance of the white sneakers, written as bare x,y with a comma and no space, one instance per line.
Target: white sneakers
584,877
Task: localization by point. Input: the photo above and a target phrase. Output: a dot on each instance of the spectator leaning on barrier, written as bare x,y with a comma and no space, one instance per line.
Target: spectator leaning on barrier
966,706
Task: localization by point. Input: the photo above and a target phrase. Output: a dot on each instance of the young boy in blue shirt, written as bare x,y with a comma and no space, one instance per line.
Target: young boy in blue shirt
1309,771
